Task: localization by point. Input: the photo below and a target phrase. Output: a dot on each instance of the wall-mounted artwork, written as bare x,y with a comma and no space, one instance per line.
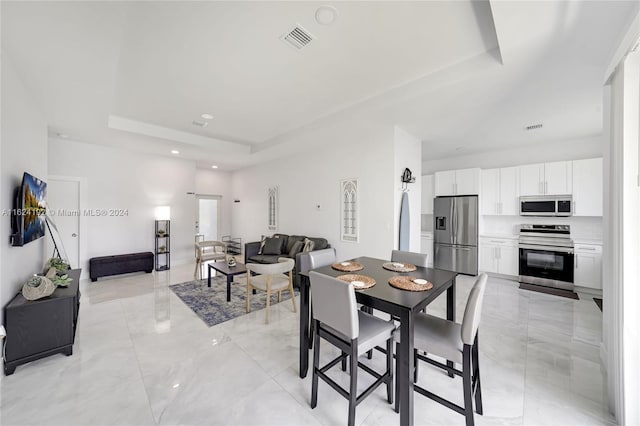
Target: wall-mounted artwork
273,208
349,221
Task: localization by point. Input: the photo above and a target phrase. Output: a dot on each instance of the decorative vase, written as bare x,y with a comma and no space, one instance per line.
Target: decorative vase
37,288
231,261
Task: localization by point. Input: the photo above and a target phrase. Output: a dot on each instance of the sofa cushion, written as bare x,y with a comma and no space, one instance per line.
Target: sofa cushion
273,245
296,248
264,258
319,243
292,240
285,237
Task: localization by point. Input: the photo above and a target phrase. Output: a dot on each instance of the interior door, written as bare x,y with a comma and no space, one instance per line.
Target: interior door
208,217
63,198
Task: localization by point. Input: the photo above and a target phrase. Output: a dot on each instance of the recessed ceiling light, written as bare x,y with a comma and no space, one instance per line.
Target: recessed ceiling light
326,15
207,116
63,135
175,151
214,167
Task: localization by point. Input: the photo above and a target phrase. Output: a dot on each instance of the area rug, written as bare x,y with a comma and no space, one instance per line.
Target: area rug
211,305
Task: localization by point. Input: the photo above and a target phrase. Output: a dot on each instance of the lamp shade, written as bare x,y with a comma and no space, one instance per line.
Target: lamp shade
163,213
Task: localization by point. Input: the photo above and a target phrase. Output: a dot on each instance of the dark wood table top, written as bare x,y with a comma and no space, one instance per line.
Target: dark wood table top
383,291
222,267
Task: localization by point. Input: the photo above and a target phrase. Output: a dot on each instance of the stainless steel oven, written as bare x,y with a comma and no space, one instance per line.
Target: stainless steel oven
546,256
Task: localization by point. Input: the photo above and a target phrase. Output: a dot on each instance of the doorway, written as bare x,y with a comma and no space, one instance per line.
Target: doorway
63,199
208,217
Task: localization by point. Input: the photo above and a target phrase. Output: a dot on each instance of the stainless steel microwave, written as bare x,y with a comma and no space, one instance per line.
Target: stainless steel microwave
546,205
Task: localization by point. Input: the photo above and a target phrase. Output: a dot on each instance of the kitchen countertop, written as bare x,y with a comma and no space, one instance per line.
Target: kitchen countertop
590,241
505,236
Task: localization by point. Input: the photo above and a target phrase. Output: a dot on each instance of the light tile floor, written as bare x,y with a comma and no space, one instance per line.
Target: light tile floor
142,357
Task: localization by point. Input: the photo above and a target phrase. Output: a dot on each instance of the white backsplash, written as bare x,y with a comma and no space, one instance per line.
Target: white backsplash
581,227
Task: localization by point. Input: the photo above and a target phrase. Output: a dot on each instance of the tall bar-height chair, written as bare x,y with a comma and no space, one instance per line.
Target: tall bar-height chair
418,259
457,343
339,322
314,260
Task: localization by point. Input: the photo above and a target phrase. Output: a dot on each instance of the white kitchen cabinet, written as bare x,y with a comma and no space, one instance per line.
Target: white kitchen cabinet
587,187
426,243
499,194
588,266
457,182
499,255
558,178
427,194
445,182
546,179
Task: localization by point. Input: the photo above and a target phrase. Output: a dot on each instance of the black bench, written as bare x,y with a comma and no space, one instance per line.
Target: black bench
120,264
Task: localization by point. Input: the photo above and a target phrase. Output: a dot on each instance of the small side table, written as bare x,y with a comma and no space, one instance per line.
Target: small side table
229,271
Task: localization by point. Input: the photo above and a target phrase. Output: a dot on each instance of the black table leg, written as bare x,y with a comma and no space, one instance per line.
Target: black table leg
304,326
208,275
229,281
404,367
451,311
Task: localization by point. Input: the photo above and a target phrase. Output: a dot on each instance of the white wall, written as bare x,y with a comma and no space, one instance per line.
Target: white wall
335,151
121,179
408,153
23,148
575,149
217,183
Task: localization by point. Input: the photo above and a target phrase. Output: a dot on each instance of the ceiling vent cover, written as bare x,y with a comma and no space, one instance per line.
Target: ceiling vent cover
534,127
298,37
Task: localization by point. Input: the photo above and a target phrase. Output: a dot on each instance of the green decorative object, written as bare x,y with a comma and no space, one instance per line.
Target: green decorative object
61,280
58,263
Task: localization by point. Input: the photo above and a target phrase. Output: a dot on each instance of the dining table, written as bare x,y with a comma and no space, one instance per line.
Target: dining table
401,304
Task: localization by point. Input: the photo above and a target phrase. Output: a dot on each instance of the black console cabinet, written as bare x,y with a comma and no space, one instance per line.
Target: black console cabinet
43,327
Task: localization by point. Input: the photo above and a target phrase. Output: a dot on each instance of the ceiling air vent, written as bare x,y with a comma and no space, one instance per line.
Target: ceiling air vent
199,123
298,37
534,127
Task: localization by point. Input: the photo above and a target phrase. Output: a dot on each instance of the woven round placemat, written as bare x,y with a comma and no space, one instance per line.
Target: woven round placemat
368,281
349,267
406,283
399,267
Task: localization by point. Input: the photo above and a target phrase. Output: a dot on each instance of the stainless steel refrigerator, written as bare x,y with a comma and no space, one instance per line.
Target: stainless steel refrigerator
456,234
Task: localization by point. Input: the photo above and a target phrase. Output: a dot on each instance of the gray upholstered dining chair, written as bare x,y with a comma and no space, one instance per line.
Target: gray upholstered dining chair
418,259
207,251
271,278
454,342
339,322
314,260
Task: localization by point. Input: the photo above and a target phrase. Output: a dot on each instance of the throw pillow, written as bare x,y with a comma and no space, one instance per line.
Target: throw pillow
308,245
261,244
296,248
273,246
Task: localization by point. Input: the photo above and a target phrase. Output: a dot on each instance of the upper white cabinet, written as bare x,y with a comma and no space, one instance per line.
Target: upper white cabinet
587,187
546,179
499,194
457,182
427,194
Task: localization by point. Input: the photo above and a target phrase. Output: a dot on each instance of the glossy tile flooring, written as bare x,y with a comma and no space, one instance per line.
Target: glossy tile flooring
142,357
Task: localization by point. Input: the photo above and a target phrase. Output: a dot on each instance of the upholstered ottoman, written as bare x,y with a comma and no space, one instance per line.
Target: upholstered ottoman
120,264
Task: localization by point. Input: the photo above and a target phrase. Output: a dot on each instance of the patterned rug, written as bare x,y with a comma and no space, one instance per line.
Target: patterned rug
211,305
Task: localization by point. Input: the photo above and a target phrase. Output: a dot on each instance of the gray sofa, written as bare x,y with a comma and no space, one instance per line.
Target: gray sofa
252,252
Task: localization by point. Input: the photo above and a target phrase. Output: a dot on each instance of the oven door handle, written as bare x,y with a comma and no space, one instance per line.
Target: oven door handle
546,248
